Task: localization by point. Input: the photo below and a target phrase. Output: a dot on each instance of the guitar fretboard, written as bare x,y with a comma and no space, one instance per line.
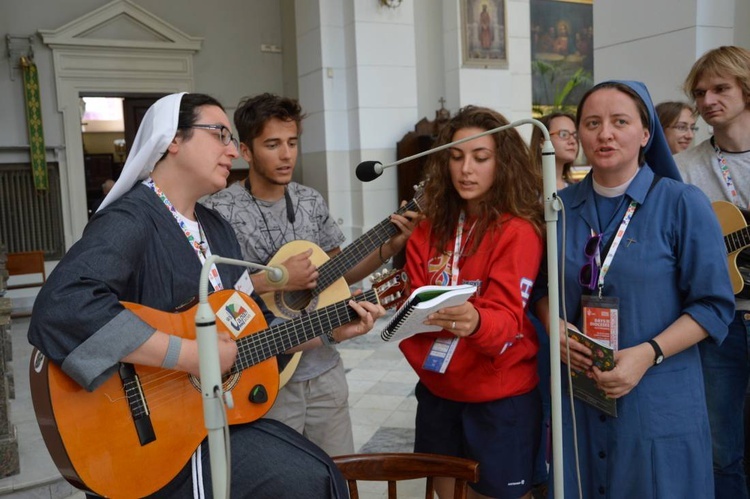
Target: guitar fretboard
737,240
265,344
335,268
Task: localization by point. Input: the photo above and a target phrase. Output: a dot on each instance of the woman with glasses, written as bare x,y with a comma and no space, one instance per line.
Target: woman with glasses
645,271
483,227
147,244
678,121
562,133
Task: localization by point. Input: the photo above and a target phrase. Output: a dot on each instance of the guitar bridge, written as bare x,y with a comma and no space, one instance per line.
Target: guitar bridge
131,384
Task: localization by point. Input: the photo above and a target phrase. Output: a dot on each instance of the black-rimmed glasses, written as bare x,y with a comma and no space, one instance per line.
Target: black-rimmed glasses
589,274
225,135
565,134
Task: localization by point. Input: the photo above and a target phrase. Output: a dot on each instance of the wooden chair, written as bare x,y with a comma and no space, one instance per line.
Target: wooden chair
26,263
393,466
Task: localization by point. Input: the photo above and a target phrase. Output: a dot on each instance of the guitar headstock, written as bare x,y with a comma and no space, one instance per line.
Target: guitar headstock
415,203
392,287
418,195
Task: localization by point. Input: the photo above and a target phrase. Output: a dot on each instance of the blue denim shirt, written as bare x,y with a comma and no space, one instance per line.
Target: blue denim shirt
133,251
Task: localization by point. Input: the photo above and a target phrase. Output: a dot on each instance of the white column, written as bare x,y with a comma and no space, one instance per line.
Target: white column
357,82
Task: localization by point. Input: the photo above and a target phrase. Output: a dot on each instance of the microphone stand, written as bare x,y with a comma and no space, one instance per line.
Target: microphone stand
210,373
552,205
370,170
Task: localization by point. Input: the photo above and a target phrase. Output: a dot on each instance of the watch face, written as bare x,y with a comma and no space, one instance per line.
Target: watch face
658,360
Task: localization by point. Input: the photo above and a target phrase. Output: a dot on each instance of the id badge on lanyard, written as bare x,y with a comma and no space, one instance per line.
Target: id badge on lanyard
442,349
601,313
601,318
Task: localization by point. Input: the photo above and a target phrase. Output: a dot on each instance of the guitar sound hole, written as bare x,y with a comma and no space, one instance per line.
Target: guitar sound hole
228,381
298,300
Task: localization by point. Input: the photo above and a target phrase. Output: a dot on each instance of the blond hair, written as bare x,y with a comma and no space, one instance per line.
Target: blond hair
726,62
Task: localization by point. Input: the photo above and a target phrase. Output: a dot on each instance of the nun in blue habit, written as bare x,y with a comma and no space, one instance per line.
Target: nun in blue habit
639,236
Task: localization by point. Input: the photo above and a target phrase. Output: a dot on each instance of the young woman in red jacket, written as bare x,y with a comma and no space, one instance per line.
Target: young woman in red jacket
477,392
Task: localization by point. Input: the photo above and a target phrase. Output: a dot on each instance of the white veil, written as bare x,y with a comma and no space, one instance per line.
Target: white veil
155,133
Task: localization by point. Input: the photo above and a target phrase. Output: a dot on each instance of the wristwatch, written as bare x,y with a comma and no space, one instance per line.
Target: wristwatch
658,354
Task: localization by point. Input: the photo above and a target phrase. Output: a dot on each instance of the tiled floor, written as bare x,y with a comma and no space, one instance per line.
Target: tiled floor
380,396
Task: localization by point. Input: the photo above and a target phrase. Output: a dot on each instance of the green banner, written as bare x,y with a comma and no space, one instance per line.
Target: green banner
34,123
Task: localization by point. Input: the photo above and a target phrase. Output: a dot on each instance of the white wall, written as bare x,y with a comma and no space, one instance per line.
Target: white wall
229,66
657,41
428,35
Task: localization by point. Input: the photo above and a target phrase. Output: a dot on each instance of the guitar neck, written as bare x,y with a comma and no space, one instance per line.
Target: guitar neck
335,268
737,240
253,349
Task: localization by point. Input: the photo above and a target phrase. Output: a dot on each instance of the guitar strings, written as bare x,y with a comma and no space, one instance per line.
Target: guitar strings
256,347
165,386
329,272
154,381
160,389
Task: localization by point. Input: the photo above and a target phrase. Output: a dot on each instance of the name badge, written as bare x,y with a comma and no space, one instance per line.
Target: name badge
601,318
244,283
440,355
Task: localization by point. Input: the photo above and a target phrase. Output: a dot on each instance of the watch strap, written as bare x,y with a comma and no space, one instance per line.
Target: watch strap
658,353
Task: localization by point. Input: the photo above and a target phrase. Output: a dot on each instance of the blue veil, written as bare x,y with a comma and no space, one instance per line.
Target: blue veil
657,153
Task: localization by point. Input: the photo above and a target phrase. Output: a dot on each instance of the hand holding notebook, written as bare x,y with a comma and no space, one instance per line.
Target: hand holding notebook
408,319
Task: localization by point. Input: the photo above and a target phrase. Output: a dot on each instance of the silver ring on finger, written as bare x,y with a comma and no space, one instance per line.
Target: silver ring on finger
453,325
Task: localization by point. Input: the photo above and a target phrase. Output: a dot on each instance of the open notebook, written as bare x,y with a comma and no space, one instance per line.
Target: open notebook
422,302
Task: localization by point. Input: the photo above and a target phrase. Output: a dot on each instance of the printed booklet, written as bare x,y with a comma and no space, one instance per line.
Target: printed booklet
584,386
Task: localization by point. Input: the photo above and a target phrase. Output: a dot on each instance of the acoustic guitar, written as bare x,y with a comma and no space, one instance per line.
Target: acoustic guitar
736,238
331,285
133,434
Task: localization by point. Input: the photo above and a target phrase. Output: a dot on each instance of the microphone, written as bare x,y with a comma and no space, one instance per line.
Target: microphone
210,371
368,171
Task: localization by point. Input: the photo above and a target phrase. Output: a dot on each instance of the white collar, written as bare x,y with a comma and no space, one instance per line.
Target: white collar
612,192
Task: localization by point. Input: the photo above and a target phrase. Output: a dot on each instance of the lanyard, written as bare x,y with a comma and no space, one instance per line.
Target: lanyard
604,267
724,167
200,246
457,246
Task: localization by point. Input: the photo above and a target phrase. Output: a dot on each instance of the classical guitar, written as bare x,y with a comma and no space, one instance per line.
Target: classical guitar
133,434
736,238
331,285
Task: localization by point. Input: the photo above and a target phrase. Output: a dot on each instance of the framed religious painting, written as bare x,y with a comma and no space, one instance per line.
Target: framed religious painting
562,53
484,41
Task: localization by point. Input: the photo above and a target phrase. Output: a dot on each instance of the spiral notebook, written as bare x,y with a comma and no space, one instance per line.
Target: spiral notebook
424,301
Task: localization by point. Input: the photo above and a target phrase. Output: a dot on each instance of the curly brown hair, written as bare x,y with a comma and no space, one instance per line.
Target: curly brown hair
516,189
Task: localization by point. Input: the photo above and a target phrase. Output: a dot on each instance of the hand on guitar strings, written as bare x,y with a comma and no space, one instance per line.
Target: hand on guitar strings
302,273
368,314
405,223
